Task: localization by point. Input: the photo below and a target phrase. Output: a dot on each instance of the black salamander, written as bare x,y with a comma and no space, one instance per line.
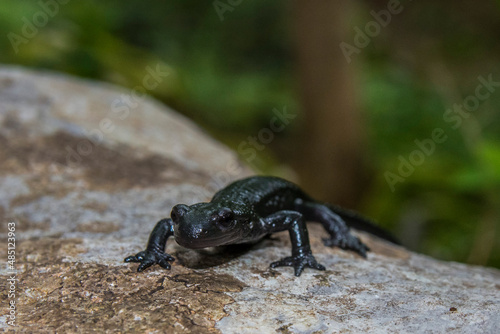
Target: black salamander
248,210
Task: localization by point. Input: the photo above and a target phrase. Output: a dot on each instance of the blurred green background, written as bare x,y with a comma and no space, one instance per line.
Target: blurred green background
232,63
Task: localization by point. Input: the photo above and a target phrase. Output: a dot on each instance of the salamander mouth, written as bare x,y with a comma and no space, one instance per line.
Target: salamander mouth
203,242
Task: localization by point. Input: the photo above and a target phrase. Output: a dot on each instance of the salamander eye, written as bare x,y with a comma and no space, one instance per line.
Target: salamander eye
225,218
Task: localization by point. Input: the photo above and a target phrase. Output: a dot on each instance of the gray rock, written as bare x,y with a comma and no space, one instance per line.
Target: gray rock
86,171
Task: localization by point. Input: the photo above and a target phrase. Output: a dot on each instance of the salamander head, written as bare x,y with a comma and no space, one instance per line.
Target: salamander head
204,225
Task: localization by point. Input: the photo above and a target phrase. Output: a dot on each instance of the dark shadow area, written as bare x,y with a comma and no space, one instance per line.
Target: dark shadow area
211,257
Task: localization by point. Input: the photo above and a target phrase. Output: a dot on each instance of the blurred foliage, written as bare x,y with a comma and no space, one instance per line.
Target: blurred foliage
450,206
229,74
224,74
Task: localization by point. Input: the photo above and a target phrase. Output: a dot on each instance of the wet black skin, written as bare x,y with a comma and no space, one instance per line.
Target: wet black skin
248,210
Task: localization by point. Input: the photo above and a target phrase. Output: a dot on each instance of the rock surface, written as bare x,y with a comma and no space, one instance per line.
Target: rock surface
87,169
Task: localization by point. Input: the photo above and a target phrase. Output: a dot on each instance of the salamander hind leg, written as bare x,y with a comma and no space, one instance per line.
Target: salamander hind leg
340,234
347,242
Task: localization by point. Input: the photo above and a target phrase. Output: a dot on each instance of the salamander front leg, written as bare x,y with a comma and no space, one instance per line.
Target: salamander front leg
155,250
301,250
